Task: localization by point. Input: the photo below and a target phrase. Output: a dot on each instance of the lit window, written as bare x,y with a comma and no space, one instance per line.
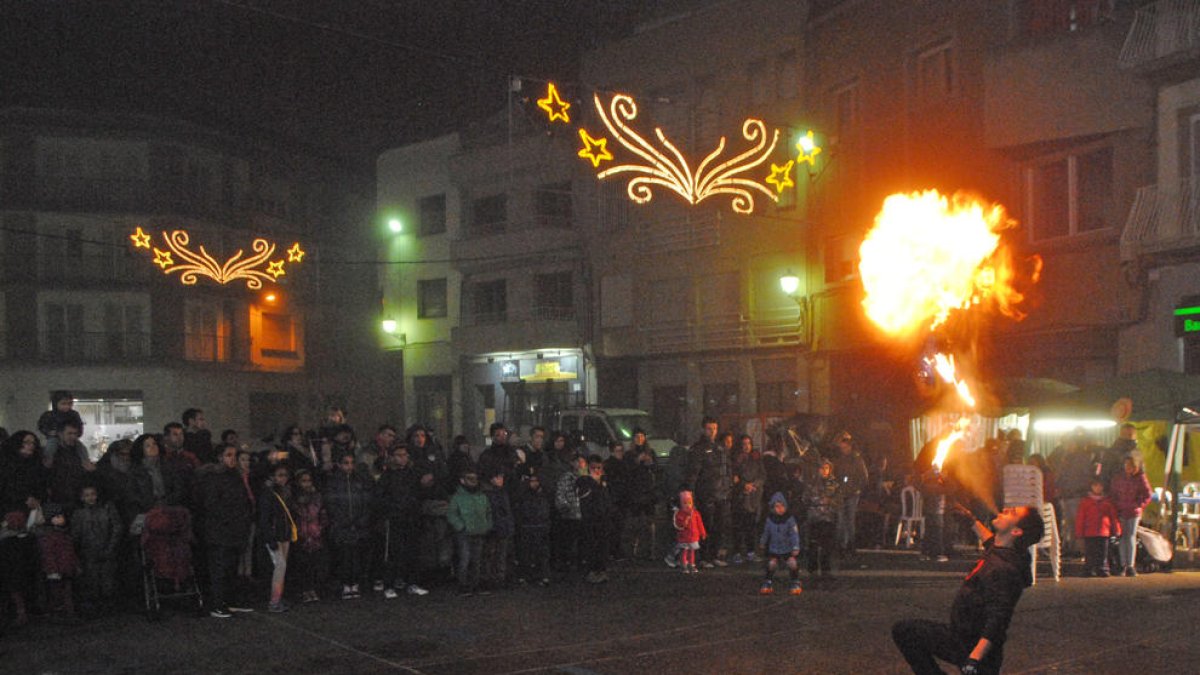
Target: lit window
277,333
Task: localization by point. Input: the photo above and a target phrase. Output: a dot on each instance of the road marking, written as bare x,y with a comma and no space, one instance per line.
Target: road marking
343,645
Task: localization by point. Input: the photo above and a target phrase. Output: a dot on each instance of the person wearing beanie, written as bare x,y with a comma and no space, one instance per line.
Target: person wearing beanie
780,541
689,527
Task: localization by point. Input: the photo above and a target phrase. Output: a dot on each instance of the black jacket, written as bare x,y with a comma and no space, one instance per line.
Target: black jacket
642,489
984,604
595,504
227,510
708,471
397,495
617,475
851,470
22,478
347,501
532,509
274,524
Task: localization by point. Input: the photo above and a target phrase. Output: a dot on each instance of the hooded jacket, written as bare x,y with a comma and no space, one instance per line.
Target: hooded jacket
1130,494
1096,517
781,534
470,512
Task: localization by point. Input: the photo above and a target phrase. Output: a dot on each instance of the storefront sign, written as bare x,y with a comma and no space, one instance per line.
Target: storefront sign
1187,321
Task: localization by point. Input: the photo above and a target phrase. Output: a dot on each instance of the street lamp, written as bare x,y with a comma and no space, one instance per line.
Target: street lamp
789,283
389,326
395,225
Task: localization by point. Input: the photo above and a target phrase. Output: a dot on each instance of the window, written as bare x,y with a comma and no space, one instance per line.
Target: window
1047,17
278,336
553,205
935,73
720,399
64,330
789,75
489,302
1069,195
776,397
845,110
489,215
840,259
432,214
760,82
431,298
552,296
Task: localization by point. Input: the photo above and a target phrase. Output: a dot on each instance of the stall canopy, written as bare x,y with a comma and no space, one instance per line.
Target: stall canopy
1156,395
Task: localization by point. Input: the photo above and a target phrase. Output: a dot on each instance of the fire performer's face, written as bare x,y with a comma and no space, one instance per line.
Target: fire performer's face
1006,521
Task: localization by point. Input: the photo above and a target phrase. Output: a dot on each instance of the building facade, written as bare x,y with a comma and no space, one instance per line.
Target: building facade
83,308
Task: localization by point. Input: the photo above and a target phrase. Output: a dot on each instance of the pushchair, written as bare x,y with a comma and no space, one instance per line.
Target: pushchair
1154,553
166,559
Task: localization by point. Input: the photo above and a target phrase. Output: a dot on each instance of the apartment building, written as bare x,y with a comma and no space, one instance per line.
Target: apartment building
84,308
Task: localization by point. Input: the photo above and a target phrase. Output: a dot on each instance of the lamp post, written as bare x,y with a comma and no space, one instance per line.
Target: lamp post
789,283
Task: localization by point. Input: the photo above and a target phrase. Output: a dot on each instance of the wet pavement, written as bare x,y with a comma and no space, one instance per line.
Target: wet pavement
648,618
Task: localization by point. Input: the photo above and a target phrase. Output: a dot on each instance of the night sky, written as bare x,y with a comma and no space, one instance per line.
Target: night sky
348,76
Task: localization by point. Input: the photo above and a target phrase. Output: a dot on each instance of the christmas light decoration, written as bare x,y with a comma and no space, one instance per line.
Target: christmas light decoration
238,267
669,169
554,106
781,176
808,148
591,146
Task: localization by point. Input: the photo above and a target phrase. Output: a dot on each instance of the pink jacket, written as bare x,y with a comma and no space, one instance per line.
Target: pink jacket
690,526
1130,494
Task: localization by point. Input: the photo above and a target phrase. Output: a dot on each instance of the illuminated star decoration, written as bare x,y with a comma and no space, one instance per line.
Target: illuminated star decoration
595,149
163,259
254,269
781,176
554,106
295,254
808,149
140,239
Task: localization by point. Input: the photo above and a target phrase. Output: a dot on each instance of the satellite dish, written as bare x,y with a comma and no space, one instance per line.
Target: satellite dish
1122,409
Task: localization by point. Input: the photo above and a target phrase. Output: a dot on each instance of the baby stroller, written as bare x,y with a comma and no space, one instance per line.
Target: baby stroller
1154,553
166,558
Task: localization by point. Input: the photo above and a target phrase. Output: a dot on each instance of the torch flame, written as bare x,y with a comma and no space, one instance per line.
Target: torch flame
928,255
944,445
943,365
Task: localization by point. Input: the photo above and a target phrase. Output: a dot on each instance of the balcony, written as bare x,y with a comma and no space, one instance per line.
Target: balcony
91,193
520,329
673,235
1164,34
114,347
538,238
774,328
1164,218
103,267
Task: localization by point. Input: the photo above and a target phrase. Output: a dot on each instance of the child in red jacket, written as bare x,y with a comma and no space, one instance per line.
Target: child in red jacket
690,529
1095,522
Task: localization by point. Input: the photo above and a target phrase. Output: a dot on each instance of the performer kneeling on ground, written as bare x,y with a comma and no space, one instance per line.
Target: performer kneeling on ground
983,607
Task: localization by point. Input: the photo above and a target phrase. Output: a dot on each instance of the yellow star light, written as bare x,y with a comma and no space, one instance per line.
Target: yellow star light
808,149
781,176
140,239
595,149
275,268
554,106
295,254
163,258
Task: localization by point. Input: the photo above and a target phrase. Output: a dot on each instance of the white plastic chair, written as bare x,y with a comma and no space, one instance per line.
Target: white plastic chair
1189,520
910,516
1050,542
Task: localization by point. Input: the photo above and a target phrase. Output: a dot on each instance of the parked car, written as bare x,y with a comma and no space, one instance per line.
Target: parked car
601,426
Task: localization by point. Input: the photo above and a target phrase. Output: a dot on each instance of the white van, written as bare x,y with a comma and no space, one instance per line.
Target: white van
601,426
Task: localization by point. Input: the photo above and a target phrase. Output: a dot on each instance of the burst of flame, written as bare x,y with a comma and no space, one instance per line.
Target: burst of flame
928,255
944,445
943,365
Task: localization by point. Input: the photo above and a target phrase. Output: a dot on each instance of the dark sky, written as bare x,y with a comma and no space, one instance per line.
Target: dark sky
349,76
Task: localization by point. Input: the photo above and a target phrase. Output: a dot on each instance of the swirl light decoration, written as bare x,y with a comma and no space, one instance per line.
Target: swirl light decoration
667,167
253,269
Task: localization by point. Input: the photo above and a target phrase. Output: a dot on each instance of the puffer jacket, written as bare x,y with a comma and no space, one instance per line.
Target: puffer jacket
1130,494
348,502
396,495
1096,517
780,534
96,531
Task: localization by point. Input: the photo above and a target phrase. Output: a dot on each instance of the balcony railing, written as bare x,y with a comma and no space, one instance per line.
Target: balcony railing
1164,30
535,313
67,347
1163,217
92,192
679,234
208,347
765,329
104,267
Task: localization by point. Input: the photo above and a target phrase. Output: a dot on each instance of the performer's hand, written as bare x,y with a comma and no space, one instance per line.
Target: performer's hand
971,667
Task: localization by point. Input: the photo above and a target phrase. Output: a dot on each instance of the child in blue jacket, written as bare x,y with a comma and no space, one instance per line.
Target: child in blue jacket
781,543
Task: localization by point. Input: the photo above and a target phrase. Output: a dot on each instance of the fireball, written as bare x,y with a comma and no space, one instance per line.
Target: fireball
929,255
